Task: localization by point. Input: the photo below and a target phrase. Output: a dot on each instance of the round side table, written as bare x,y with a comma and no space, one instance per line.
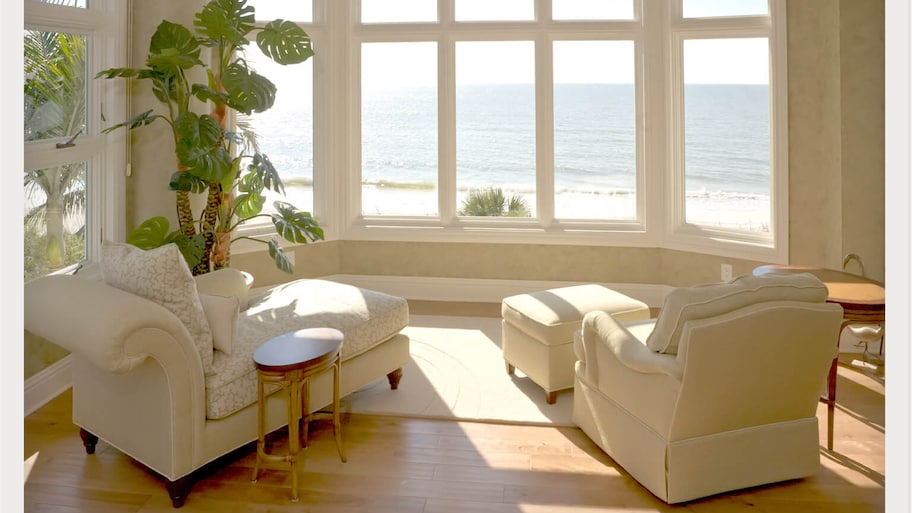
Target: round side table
289,361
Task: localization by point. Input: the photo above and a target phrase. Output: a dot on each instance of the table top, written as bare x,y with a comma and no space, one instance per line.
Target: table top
849,290
299,349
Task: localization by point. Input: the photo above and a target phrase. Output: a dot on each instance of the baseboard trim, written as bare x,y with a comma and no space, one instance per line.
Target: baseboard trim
47,384
484,290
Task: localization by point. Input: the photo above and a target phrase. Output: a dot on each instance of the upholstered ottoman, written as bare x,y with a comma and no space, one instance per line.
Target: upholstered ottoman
538,329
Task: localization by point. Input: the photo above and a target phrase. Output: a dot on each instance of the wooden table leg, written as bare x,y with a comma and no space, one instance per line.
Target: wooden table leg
261,428
831,401
337,424
294,437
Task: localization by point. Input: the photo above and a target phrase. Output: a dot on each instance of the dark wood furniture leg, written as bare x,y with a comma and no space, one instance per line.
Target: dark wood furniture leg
88,440
394,378
831,401
179,490
550,397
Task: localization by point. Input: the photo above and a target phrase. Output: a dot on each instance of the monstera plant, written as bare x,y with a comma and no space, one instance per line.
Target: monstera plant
212,158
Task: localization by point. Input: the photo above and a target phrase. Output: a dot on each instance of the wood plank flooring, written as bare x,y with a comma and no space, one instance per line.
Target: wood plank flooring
415,465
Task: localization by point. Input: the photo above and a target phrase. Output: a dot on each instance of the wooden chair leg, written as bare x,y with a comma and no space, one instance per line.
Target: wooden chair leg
394,378
89,441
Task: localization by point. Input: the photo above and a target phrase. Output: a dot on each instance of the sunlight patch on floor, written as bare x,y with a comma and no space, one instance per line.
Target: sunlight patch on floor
29,463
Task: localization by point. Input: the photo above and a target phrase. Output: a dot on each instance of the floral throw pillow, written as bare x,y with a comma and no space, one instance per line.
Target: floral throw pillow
160,275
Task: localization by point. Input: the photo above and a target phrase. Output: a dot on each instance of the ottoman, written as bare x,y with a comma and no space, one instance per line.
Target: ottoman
538,329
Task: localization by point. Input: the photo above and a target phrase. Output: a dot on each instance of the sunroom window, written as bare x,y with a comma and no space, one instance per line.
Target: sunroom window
73,173
618,122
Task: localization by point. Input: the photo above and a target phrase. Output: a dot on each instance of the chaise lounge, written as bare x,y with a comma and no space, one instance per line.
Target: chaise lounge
142,384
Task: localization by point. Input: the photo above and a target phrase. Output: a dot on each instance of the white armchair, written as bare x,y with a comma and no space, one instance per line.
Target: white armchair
718,393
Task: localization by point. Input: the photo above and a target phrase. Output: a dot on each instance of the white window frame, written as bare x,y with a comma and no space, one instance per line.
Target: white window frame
105,23
448,226
656,30
679,234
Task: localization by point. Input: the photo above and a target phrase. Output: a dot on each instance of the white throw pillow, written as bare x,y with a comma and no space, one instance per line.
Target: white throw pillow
163,276
222,314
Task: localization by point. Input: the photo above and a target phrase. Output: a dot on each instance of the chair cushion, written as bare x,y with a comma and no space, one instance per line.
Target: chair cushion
701,301
365,317
163,276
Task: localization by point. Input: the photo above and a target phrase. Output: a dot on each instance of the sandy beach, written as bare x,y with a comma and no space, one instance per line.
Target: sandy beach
741,212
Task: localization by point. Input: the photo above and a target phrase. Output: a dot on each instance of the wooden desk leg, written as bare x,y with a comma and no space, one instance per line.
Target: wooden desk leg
337,424
831,401
261,429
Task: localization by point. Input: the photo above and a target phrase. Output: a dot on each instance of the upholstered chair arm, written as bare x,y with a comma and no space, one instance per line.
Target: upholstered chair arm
101,323
600,329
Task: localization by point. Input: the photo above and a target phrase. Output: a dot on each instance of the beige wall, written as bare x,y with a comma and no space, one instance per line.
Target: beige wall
836,177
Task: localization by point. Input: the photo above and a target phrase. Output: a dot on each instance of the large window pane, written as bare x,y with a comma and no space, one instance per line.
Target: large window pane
55,86
727,134
592,10
498,10
594,130
393,11
715,8
294,10
495,128
284,133
399,129
55,218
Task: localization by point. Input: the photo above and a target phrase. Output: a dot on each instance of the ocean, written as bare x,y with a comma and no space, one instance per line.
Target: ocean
727,148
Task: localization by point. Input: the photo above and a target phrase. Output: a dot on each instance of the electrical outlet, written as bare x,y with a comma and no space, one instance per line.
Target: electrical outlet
726,272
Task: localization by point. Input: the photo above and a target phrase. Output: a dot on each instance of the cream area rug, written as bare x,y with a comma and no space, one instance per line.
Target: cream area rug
457,372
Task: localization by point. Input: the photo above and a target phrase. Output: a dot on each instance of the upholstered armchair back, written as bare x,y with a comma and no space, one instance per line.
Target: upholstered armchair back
760,364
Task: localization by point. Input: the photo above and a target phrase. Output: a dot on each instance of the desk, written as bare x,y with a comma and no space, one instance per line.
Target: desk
289,360
863,301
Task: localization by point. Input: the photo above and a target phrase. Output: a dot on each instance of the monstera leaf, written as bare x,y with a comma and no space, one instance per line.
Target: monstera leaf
295,225
137,121
267,173
154,232
247,90
198,146
173,48
225,21
284,42
279,257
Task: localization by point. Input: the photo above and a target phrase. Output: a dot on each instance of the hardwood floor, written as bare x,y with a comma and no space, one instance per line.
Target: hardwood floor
415,465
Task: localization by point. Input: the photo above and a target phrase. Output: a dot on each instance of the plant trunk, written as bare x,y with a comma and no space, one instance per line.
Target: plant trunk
210,227
55,243
221,255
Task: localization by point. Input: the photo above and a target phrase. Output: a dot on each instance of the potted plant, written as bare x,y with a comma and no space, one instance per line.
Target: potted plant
212,159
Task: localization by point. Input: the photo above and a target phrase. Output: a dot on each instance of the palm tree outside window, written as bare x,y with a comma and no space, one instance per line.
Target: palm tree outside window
55,107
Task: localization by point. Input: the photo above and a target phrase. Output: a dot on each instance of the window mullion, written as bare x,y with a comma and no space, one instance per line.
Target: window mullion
446,132
544,129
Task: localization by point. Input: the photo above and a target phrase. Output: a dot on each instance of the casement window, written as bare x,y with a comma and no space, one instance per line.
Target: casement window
73,174
619,122
728,141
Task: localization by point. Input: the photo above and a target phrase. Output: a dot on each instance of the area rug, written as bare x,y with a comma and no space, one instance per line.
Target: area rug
457,372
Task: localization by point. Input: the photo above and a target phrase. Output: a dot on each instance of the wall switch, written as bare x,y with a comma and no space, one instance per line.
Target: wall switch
726,272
